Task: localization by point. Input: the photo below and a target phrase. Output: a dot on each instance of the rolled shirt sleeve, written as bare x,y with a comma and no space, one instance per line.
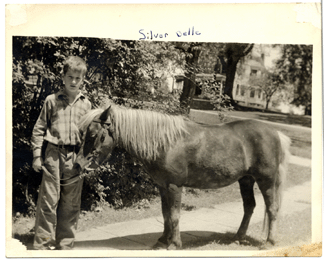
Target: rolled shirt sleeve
40,129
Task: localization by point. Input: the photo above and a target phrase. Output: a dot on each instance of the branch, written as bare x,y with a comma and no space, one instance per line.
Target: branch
94,71
248,49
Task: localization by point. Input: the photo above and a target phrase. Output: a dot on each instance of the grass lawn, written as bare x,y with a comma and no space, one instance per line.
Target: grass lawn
288,226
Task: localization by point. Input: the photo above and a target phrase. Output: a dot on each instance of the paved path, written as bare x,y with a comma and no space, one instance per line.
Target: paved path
142,234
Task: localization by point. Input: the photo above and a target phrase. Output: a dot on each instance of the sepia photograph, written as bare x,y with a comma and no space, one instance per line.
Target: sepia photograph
167,141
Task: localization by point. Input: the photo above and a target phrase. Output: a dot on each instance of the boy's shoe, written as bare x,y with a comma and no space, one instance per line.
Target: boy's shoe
63,248
48,247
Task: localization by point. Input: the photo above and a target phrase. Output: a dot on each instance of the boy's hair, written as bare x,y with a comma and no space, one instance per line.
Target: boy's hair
75,63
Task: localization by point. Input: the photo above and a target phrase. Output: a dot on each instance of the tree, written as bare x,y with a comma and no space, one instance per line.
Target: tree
269,83
233,53
162,60
295,67
191,51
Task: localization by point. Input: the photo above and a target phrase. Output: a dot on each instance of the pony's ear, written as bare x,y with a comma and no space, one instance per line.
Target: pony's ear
104,116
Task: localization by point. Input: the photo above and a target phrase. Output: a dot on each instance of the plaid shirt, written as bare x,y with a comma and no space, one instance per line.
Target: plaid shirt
57,122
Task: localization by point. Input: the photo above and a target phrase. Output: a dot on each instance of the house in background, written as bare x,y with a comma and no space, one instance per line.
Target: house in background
252,66
259,61
214,69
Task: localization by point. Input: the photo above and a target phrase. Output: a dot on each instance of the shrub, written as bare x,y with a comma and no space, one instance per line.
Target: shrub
121,182
211,90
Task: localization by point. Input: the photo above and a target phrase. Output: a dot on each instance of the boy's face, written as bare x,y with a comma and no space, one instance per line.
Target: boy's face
73,80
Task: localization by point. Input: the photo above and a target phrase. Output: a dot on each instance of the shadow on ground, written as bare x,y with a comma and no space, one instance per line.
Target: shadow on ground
25,239
222,239
190,240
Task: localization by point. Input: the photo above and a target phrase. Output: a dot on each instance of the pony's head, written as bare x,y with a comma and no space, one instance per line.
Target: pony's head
98,141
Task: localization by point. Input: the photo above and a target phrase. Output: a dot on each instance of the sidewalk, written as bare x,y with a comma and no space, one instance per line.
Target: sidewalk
143,234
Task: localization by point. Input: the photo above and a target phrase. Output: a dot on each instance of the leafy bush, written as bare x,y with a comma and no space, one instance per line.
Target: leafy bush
121,182
211,90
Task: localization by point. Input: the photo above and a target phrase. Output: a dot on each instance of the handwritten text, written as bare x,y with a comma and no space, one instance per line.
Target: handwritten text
151,35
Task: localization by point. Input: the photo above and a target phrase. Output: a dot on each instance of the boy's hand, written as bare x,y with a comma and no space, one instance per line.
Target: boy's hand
37,163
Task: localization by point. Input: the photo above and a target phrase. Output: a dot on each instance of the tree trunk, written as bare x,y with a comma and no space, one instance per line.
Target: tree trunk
189,89
234,52
230,76
189,84
308,110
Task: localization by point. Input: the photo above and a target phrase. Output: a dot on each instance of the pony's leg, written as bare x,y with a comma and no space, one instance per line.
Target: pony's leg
163,240
171,203
270,196
246,187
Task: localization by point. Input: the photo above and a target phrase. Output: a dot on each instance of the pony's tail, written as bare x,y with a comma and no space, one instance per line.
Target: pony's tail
283,166
280,177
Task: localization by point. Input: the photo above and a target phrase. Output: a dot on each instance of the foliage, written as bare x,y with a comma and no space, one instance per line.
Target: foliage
269,82
210,58
121,182
295,67
199,58
211,90
191,52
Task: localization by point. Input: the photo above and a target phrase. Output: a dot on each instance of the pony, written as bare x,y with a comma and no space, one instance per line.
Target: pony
177,152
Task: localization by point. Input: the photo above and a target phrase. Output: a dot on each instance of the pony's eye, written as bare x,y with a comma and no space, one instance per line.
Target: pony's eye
102,138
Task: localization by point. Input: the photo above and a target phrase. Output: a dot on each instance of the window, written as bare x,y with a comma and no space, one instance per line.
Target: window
237,89
252,93
253,72
242,91
263,96
259,94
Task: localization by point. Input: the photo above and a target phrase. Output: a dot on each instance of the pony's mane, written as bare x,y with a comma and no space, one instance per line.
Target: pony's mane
144,132
86,119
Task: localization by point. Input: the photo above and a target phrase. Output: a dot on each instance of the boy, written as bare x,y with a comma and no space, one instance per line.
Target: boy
58,205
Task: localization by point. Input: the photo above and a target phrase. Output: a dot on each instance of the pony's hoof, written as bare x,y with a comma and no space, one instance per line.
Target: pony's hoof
266,245
159,245
245,242
173,247
236,240
241,241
